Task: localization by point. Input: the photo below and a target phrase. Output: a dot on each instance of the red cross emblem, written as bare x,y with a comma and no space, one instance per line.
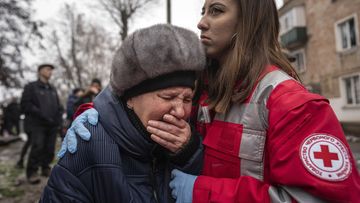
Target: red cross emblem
326,155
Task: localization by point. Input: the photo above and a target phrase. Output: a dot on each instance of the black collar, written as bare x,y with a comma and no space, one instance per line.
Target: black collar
157,150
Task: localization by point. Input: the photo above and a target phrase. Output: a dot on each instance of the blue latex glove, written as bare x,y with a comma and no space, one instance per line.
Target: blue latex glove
182,185
77,127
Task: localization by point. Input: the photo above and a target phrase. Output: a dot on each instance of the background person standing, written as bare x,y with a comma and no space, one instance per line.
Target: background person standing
41,106
90,93
70,104
12,117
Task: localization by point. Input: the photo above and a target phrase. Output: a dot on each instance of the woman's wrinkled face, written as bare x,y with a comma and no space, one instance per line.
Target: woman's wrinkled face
218,25
176,101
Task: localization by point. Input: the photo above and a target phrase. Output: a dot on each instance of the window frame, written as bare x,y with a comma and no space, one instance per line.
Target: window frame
338,34
353,90
299,51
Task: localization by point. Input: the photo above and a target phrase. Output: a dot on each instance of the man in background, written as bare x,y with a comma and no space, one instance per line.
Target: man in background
43,112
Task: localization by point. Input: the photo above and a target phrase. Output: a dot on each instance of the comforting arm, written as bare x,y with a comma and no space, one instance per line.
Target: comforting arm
77,127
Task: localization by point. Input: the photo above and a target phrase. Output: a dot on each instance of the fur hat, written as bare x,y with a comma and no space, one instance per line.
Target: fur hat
154,58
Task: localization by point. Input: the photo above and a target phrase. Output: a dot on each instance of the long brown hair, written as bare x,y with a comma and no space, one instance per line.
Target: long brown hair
255,46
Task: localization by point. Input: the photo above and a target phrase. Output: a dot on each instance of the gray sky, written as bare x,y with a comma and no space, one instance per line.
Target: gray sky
185,13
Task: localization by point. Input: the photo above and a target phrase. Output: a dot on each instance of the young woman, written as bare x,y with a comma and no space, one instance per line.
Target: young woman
266,138
152,77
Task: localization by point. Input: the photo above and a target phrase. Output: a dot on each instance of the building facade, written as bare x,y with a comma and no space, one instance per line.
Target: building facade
323,36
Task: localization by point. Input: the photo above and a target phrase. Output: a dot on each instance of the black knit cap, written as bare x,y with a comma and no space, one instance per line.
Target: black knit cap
174,79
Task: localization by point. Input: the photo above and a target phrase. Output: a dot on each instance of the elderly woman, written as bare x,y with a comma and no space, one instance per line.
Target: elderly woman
152,78
260,125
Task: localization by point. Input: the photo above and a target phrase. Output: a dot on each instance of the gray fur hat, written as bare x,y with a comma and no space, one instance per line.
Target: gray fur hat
154,58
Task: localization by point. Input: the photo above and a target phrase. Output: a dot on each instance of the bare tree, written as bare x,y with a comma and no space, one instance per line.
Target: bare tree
17,30
83,50
121,11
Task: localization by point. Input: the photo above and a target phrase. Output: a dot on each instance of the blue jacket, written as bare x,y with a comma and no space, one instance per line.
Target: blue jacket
120,163
70,106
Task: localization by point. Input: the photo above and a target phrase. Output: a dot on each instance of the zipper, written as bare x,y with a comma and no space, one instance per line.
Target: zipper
153,178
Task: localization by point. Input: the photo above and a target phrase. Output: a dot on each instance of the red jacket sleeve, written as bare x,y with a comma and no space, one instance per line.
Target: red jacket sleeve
288,161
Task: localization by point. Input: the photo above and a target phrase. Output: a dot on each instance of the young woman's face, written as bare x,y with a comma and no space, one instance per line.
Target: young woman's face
176,101
218,26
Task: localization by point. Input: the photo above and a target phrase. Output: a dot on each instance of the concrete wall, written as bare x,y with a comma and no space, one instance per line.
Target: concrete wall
325,64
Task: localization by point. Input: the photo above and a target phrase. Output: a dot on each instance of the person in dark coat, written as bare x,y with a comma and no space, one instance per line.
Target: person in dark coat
73,97
12,117
152,79
70,104
43,113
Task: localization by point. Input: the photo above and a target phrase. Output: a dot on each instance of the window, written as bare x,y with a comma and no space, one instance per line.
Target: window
347,34
352,88
299,62
287,26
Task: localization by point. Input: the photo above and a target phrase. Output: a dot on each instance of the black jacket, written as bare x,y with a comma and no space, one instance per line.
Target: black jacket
120,163
12,112
40,104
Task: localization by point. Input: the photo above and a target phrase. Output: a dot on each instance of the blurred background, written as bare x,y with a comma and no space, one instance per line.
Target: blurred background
79,37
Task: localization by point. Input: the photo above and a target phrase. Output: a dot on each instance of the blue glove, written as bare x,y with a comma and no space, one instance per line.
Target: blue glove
77,127
182,185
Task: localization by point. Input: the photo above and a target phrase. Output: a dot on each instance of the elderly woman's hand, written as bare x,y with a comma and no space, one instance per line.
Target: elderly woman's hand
171,133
